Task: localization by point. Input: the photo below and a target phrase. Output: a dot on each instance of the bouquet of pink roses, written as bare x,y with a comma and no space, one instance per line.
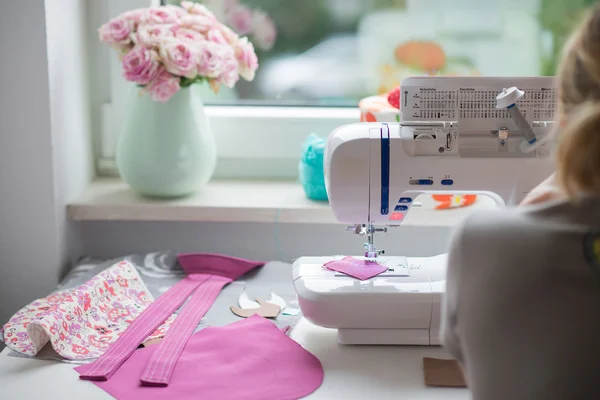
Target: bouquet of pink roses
166,48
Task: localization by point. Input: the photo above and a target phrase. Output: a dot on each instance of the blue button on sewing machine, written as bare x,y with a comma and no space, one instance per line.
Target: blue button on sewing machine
420,182
447,182
405,200
401,208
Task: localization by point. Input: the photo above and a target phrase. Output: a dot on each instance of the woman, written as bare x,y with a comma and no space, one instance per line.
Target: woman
522,306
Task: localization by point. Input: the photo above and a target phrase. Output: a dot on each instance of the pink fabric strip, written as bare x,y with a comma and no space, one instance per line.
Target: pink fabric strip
146,323
159,369
213,269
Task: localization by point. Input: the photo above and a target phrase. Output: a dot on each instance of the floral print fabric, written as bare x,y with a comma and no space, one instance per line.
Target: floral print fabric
81,323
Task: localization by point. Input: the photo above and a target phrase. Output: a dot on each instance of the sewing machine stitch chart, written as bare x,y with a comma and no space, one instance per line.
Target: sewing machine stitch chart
471,136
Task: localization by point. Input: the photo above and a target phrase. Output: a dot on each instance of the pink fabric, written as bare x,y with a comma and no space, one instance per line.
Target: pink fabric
360,269
250,359
82,322
211,269
161,364
153,316
216,264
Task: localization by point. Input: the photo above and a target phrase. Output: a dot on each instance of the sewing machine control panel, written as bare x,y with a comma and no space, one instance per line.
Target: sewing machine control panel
474,102
487,117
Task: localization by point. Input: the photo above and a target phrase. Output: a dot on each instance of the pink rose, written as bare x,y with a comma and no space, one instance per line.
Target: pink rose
187,34
211,58
215,35
141,65
197,23
198,9
163,15
116,32
135,16
218,63
179,57
228,34
246,57
163,87
152,35
229,70
265,31
209,62
240,19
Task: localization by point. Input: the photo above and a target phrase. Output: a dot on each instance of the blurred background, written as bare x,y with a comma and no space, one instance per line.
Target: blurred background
335,52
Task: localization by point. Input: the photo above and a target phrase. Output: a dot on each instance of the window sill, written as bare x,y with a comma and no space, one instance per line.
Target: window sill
111,199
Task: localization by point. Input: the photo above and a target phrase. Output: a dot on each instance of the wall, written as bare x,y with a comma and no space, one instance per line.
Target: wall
44,156
29,256
68,68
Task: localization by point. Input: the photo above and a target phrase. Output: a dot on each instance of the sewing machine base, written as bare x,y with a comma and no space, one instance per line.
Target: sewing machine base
395,308
404,337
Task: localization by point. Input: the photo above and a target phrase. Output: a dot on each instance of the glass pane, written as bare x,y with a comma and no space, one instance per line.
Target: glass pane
335,52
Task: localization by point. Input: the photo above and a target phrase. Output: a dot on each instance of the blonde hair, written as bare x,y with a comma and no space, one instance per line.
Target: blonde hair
578,152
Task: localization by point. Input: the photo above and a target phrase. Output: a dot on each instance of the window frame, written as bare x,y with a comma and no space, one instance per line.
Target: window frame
253,142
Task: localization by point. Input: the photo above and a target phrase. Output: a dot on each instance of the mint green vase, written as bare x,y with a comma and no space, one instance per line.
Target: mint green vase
166,149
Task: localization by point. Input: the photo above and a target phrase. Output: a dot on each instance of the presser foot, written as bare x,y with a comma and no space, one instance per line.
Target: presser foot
368,231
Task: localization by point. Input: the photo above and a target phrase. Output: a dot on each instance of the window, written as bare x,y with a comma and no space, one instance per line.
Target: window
318,58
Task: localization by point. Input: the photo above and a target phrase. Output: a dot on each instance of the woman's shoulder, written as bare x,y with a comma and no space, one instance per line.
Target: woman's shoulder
510,236
554,214
494,243
492,221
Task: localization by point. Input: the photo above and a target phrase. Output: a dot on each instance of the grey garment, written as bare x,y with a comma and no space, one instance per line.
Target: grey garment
522,305
160,271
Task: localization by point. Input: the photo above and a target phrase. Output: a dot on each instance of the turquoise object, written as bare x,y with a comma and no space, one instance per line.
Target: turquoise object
312,175
166,150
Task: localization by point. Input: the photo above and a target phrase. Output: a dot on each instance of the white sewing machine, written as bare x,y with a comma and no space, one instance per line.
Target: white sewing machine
462,135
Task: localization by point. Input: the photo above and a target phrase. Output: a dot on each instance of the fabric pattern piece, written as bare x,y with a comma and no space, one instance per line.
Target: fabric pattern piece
114,357
251,359
81,323
162,363
215,270
359,269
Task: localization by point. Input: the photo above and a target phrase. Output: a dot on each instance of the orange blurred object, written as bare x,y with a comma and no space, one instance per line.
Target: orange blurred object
425,55
446,201
367,117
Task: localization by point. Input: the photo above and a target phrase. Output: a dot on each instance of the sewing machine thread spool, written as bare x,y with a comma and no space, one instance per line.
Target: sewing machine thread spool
507,100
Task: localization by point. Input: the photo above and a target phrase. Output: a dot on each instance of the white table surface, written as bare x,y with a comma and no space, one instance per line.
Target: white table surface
351,372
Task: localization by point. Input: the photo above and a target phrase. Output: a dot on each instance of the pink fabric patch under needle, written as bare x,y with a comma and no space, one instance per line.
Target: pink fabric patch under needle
359,269
251,359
